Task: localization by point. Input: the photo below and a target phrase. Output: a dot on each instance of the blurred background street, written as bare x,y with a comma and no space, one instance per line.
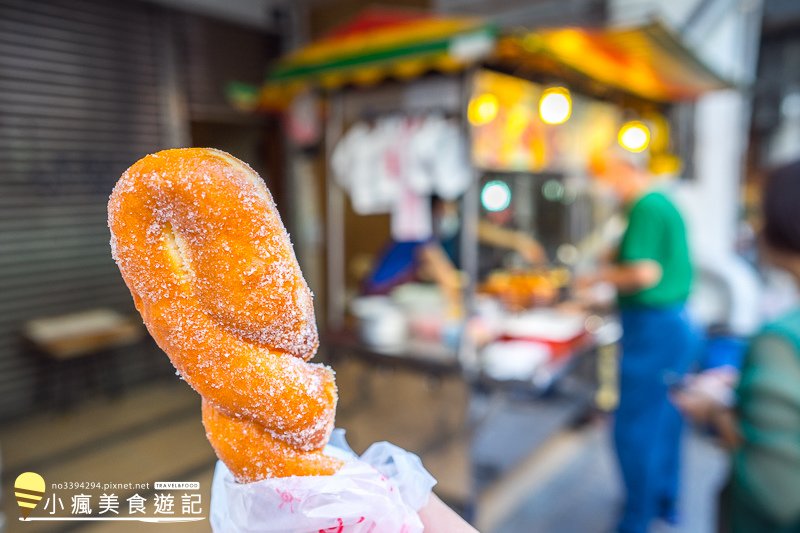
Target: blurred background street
539,236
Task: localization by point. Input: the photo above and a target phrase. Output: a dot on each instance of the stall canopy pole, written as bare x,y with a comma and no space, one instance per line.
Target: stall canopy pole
470,214
176,115
335,216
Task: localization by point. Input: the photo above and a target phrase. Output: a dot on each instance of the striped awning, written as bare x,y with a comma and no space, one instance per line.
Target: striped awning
380,44
649,61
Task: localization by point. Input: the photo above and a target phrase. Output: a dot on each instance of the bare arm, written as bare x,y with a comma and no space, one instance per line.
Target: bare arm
439,518
630,277
440,269
724,420
706,411
500,237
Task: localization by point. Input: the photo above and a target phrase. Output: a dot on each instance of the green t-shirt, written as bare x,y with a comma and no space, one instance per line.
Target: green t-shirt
656,232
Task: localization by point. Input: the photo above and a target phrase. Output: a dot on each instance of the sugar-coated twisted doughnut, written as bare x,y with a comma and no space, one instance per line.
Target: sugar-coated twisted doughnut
201,247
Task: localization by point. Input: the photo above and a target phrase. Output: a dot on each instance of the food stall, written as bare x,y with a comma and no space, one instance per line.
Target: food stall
421,110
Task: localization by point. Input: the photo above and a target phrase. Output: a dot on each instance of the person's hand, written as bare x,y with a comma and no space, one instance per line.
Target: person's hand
439,518
696,405
585,282
530,250
573,307
705,410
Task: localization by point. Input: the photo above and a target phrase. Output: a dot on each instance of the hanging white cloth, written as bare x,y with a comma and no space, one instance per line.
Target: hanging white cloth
381,167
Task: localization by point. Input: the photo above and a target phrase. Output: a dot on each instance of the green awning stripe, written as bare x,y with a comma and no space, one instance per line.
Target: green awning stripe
422,49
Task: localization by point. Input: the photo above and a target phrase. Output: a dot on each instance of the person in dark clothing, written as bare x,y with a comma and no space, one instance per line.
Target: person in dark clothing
763,429
437,258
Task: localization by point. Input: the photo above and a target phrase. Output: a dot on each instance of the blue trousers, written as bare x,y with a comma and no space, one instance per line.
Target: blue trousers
658,346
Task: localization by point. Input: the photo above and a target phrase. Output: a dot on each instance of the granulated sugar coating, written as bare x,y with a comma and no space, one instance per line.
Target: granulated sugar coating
201,246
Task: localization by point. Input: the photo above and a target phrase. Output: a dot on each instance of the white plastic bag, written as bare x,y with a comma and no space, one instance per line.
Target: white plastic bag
380,492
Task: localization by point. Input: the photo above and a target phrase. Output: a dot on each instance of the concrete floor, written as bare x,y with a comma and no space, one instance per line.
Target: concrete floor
583,495
154,433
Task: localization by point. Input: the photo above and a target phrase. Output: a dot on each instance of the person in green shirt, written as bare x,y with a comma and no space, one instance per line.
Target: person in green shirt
655,242
763,428
652,272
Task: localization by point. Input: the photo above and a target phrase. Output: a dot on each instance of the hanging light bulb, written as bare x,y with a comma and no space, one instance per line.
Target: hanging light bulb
555,105
634,136
482,109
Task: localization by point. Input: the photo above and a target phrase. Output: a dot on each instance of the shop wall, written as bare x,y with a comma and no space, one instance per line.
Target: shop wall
530,13
261,14
776,107
210,54
725,36
722,125
86,88
80,99
325,16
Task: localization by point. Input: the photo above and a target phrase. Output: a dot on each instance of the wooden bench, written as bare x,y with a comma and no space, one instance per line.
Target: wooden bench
76,351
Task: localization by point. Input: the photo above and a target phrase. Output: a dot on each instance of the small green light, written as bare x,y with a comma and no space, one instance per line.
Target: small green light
496,195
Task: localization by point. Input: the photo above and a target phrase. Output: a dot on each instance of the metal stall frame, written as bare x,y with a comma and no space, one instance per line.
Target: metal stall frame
493,396
536,53
335,202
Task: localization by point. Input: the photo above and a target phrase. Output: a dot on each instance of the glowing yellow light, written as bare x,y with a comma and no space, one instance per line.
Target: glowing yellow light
665,164
568,42
482,109
517,120
634,136
659,132
555,105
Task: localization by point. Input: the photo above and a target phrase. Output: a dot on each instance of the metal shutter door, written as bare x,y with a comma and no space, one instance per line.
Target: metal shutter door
80,100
